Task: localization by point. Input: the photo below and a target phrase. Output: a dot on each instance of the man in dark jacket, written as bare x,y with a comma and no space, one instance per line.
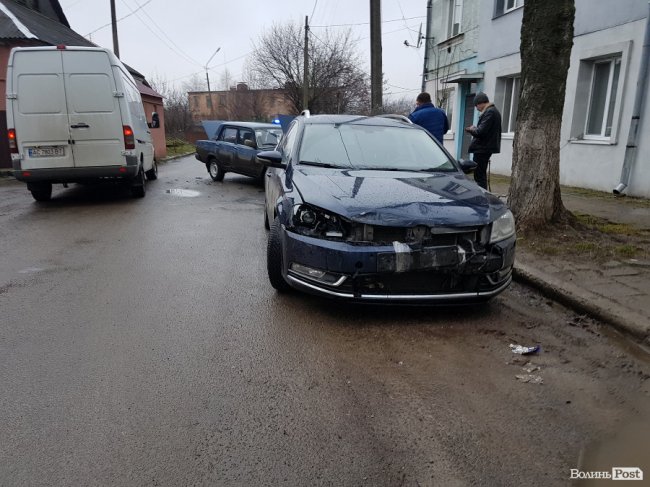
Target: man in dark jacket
429,117
486,137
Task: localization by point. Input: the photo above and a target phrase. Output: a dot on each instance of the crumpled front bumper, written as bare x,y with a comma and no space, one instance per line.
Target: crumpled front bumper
398,272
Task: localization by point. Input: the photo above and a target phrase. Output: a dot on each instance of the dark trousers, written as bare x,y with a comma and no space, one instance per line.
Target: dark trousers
480,173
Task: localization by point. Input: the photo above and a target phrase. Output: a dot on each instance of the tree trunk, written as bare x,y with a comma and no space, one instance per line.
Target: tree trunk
546,41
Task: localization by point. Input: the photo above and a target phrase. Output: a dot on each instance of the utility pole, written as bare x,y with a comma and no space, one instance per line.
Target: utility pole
116,44
425,68
305,81
376,82
207,79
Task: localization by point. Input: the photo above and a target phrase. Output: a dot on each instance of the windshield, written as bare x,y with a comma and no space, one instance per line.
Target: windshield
268,137
372,147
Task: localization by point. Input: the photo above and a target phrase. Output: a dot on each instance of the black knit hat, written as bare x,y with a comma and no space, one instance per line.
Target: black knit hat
481,98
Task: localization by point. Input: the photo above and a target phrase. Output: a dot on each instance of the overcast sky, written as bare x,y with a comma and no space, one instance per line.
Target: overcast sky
172,40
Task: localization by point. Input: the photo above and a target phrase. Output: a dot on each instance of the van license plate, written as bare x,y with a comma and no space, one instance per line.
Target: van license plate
47,151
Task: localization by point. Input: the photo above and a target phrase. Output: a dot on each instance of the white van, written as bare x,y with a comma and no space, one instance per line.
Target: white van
74,114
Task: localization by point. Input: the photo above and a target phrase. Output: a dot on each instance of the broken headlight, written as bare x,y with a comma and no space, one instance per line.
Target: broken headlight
503,227
315,222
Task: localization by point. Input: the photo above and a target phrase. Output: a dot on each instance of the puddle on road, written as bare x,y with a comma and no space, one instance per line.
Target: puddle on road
31,270
185,193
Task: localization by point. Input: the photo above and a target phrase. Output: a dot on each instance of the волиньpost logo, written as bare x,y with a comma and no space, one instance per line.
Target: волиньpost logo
617,473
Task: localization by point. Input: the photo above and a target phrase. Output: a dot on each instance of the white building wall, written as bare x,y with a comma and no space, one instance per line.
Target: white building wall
588,164
598,165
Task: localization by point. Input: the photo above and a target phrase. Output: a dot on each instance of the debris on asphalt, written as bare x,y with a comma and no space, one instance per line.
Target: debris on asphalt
530,379
521,350
530,368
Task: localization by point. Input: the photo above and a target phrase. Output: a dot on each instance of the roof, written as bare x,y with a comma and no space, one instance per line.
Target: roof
356,119
146,90
20,22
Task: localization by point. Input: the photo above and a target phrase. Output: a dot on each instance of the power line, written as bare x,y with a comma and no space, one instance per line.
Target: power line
313,10
121,18
366,23
162,31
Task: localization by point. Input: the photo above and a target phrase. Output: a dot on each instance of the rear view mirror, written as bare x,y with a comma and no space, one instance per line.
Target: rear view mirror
271,158
155,121
467,166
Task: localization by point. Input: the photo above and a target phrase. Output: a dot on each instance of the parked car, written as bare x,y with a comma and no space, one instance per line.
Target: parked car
375,209
74,114
234,147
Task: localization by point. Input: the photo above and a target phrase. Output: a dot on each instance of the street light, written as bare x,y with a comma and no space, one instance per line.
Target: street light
207,78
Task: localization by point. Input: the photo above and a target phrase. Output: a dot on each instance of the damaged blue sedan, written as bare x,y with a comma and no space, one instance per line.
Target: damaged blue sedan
374,209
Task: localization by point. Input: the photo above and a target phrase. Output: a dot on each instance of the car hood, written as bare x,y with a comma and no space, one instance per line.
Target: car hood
397,198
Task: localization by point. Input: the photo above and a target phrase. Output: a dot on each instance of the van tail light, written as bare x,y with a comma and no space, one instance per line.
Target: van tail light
13,144
129,137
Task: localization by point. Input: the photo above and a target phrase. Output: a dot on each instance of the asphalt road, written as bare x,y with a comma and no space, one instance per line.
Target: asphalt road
141,344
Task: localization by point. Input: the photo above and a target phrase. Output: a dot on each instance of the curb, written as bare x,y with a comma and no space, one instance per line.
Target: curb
172,158
583,301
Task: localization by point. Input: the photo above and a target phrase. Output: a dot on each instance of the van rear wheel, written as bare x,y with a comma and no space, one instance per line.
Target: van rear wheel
152,174
138,188
41,191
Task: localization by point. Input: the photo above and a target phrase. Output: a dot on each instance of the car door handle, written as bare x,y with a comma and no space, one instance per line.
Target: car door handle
80,126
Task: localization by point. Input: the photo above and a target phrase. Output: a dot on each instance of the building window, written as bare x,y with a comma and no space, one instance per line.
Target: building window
505,6
445,100
208,101
507,98
454,16
602,97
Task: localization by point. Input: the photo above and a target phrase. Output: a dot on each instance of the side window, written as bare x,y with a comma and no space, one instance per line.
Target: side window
247,138
229,134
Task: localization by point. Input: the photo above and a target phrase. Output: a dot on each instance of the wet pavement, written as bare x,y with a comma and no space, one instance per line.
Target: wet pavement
141,344
616,291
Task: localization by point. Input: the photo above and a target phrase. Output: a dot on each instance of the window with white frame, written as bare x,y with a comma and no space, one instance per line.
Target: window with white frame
454,17
507,98
505,6
601,107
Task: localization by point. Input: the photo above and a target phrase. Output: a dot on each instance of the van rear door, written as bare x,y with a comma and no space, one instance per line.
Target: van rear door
39,110
95,119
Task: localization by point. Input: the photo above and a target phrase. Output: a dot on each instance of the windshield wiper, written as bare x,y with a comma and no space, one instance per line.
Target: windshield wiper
321,164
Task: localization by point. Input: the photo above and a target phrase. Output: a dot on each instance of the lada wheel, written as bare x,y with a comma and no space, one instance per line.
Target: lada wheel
216,173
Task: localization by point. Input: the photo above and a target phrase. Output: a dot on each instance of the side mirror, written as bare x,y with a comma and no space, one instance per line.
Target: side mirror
271,158
155,121
467,166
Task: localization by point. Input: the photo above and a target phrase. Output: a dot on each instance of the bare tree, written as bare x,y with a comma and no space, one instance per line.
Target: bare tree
197,82
178,118
546,34
225,80
336,83
400,106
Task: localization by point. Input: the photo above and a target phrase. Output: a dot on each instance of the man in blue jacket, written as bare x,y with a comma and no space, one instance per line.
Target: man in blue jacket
429,117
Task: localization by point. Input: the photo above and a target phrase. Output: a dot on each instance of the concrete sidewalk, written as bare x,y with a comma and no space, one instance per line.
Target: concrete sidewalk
618,291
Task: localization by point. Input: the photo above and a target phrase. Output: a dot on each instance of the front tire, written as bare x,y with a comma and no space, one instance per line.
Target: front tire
274,261
216,173
41,191
266,219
